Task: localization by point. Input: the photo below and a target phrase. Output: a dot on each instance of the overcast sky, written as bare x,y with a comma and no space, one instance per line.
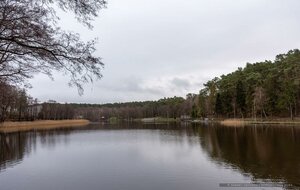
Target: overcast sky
160,48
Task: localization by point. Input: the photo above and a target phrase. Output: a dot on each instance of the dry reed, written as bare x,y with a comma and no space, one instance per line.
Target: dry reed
8,127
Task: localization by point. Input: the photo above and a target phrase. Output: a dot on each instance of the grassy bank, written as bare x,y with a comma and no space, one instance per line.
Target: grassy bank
41,124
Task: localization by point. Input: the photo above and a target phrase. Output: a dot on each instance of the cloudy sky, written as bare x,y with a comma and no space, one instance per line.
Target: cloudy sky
160,48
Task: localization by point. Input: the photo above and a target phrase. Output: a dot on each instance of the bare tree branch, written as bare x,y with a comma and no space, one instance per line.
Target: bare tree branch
31,43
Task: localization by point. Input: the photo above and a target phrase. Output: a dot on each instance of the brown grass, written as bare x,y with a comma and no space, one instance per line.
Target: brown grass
234,122
8,127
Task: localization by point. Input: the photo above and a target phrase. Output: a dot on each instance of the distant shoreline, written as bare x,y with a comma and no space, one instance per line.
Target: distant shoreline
226,122
243,122
8,127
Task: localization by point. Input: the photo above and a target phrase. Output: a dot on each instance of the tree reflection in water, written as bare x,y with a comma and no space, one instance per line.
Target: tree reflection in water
263,152
15,146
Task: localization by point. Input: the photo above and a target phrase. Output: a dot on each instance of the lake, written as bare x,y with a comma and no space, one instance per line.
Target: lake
132,156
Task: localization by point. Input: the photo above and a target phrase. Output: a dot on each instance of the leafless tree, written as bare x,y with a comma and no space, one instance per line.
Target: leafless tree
31,42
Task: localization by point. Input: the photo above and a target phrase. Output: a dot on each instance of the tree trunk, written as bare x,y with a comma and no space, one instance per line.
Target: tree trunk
234,111
20,108
264,113
295,112
291,111
254,110
242,114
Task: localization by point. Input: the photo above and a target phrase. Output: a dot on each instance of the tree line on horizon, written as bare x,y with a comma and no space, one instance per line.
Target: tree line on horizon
267,89
17,105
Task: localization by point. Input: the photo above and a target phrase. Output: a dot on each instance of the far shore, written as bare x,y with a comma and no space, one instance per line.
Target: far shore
8,127
243,122
226,122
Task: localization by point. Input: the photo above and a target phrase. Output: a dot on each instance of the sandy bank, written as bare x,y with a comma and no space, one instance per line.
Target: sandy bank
7,127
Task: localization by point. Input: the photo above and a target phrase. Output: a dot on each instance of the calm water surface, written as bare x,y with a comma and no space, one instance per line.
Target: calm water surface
138,157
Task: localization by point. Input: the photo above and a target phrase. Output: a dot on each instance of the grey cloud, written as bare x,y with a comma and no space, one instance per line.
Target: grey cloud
181,83
131,85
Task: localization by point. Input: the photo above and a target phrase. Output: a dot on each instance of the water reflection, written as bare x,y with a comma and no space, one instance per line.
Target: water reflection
15,146
13,149
262,152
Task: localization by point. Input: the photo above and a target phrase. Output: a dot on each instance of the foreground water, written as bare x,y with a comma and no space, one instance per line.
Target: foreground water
135,156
